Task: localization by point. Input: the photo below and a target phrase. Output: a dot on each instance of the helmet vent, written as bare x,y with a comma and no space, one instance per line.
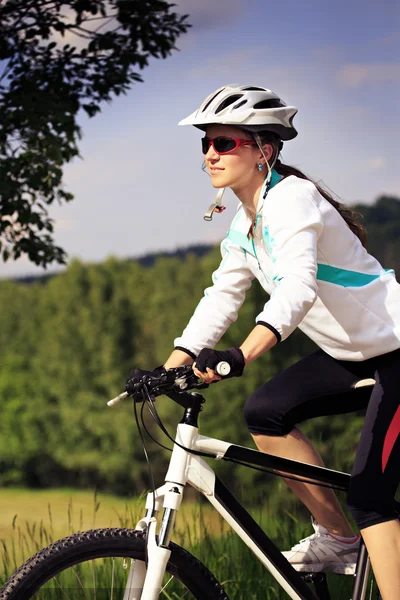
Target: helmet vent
239,104
228,102
209,102
271,103
253,89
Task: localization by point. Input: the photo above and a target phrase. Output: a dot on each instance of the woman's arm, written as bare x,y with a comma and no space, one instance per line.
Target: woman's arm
259,341
220,304
178,358
291,231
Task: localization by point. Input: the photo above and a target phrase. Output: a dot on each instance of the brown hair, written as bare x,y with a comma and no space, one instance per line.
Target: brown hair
351,217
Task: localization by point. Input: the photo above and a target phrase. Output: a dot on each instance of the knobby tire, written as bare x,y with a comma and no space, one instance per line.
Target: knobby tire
106,543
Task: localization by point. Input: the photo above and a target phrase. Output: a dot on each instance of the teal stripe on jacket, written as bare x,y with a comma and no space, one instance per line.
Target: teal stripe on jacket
346,278
242,240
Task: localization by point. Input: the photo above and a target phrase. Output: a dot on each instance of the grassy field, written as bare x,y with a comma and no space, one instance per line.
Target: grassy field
30,520
63,511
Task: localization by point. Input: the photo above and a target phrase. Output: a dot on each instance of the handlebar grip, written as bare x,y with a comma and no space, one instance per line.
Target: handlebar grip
223,368
117,399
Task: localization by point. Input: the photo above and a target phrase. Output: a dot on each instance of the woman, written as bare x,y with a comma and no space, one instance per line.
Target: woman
307,251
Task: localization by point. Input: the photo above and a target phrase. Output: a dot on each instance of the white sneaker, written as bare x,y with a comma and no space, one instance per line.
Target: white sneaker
322,551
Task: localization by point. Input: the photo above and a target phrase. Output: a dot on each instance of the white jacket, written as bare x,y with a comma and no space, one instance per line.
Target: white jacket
317,273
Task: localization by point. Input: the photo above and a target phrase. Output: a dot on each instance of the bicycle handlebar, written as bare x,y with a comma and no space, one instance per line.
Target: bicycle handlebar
176,380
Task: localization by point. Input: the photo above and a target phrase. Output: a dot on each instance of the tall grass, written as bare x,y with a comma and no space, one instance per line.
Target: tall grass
209,539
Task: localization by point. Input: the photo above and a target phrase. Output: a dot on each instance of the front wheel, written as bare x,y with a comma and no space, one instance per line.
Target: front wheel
94,565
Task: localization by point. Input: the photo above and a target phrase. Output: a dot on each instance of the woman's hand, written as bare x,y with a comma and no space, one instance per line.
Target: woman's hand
136,375
208,376
207,361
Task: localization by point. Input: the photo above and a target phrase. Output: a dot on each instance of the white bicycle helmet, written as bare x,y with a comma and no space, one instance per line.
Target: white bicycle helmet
249,107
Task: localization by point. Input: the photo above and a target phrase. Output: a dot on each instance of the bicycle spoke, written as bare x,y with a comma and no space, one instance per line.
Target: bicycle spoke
74,570
169,580
108,570
94,580
61,588
167,595
163,588
112,579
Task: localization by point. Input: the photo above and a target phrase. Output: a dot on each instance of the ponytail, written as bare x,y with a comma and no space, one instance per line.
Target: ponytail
351,217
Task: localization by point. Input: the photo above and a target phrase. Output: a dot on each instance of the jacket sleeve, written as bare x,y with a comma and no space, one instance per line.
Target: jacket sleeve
291,230
220,304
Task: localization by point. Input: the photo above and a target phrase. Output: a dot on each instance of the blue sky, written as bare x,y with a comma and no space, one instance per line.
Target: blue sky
139,186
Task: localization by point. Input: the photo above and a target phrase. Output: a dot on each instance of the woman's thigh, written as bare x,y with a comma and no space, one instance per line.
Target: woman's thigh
314,386
376,471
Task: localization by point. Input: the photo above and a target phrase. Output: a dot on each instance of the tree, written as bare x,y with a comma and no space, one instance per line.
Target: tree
58,57
382,221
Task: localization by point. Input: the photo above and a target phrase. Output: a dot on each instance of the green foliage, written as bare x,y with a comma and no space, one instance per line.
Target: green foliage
67,345
44,84
382,221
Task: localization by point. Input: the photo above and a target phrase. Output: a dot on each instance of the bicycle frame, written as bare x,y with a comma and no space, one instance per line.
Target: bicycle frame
187,468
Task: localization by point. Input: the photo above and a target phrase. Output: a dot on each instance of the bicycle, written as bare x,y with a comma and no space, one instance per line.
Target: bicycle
139,564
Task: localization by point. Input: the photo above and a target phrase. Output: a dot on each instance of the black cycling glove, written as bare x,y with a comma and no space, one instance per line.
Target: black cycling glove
136,375
210,358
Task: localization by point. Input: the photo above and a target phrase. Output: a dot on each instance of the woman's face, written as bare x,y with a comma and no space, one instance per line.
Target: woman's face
238,168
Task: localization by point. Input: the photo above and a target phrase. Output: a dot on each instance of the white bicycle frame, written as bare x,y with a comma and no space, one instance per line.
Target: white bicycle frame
145,581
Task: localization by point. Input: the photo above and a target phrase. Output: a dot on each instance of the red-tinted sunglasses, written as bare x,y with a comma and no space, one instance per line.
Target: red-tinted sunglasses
223,145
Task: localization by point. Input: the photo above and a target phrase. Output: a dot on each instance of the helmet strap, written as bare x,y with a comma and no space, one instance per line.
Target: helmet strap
269,166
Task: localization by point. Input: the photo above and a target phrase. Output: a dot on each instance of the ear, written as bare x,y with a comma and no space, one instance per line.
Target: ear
268,151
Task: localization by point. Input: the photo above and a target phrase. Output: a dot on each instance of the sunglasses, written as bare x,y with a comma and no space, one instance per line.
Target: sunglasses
223,145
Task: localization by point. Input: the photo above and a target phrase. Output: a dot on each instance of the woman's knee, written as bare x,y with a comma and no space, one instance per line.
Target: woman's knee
263,415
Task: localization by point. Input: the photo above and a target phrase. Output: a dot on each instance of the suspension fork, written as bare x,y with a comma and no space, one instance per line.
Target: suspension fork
138,586
145,580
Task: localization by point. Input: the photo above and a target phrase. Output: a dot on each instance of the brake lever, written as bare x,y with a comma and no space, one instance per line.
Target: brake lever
192,382
167,382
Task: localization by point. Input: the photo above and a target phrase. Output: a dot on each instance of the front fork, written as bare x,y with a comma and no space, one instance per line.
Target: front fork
141,585
145,580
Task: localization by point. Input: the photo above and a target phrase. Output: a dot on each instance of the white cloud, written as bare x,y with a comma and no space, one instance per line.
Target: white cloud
356,75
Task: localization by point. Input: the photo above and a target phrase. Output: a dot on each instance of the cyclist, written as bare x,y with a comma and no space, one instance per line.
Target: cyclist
308,253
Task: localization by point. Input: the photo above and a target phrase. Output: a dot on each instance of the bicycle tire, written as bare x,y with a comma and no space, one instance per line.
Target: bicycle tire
84,547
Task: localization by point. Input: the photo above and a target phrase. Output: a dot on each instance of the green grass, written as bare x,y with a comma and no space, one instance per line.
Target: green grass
31,520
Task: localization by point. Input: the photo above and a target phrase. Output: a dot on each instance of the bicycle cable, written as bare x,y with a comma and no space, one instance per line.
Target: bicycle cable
146,455
156,417
147,431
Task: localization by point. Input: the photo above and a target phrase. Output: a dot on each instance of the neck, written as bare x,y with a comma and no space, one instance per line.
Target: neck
249,193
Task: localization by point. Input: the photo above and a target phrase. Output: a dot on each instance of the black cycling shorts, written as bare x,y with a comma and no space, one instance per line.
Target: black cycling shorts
320,385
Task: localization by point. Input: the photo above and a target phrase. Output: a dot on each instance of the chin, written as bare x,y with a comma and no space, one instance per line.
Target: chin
219,183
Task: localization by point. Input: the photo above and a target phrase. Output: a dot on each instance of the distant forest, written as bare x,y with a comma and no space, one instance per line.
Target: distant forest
67,343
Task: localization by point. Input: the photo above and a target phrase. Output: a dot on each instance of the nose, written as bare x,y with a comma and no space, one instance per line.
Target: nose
211,154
